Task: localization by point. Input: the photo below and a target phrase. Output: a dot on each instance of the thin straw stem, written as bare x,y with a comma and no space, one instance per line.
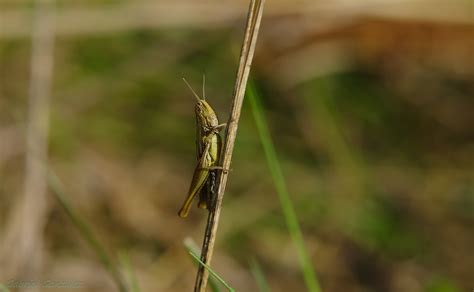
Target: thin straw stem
246,56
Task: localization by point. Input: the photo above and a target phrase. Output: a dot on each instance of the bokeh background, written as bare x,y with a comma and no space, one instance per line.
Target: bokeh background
370,106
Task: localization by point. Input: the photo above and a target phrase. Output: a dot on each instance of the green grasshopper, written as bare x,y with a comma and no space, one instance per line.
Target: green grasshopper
209,145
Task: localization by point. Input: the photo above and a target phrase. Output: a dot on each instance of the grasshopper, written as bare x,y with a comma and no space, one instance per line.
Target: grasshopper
209,145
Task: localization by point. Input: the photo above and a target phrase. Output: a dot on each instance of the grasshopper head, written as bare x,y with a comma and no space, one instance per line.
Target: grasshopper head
206,116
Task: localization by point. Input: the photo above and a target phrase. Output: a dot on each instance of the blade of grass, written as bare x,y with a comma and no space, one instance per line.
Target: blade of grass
191,246
4,288
132,278
323,115
85,230
259,276
214,274
326,120
310,278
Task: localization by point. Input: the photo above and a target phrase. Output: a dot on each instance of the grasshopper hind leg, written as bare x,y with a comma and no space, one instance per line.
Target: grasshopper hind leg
198,183
208,192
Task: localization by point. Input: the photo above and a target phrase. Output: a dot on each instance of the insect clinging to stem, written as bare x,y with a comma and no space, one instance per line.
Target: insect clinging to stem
208,145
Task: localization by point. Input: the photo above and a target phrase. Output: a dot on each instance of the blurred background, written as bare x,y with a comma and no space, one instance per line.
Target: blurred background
370,105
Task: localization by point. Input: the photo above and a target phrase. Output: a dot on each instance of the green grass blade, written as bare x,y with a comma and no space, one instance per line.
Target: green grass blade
4,288
191,246
214,274
85,230
132,278
259,276
278,179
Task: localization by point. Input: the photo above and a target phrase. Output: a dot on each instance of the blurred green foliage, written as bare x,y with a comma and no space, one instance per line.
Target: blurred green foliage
378,181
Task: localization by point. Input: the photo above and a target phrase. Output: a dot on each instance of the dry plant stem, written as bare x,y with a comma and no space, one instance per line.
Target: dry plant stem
29,216
246,56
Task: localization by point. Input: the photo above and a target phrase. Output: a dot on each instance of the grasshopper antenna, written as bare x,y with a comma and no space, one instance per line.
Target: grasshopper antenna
204,86
192,90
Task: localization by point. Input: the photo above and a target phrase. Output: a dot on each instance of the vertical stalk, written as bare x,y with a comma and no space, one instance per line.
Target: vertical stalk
246,55
29,216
